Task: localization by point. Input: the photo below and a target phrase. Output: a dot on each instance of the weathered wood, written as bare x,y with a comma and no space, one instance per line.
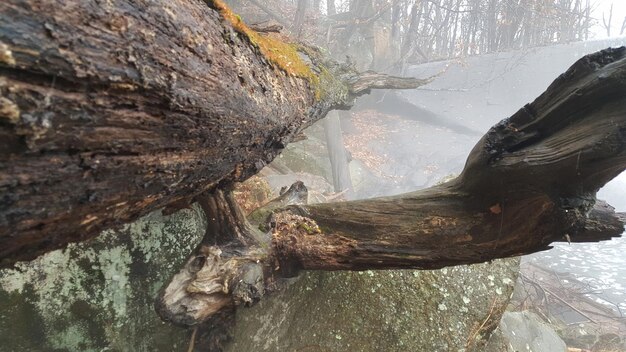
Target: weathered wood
232,264
530,181
224,269
111,110
338,155
131,106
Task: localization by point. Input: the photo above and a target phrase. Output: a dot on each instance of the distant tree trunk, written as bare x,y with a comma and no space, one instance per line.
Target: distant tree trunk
298,21
587,19
492,17
330,8
269,12
607,22
338,155
316,6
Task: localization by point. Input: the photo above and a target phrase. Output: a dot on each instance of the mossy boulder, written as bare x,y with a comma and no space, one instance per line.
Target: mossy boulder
98,295
453,309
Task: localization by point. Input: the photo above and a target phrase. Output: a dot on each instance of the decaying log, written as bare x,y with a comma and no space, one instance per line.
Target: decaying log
110,110
530,181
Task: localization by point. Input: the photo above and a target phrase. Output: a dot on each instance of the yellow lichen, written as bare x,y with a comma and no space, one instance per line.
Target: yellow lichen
9,110
284,55
289,224
124,86
310,229
6,56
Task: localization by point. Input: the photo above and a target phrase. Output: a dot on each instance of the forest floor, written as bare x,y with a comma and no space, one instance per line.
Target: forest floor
577,310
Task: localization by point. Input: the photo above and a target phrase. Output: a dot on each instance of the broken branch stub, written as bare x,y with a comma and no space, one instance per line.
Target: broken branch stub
211,281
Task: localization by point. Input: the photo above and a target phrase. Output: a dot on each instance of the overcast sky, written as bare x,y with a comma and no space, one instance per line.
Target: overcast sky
604,6
619,12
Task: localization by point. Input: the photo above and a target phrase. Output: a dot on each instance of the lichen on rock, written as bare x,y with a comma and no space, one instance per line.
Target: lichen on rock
393,310
99,295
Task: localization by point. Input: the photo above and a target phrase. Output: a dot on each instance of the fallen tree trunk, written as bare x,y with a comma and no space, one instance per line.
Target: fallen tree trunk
111,110
530,181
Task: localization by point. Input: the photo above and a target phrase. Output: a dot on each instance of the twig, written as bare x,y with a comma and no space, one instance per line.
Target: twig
192,342
269,12
372,80
473,335
560,299
364,21
263,27
336,195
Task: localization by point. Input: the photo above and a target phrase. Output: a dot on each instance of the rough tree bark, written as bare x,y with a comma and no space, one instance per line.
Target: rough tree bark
134,106
130,106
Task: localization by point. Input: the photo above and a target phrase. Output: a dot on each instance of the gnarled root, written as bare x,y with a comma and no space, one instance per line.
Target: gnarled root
232,266
211,281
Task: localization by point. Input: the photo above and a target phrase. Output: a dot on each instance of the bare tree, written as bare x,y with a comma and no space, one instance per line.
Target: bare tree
607,23
298,21
331,9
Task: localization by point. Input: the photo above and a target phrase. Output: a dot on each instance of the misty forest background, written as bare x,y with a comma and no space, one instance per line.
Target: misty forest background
398,33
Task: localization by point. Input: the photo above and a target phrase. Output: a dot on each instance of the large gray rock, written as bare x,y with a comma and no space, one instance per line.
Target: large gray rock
98,295
453,309
525,332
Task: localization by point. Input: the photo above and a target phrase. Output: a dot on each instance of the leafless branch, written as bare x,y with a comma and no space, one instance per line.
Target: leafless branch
607,24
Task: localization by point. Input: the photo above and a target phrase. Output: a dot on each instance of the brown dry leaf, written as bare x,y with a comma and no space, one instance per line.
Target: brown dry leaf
496,209
252,193
370,126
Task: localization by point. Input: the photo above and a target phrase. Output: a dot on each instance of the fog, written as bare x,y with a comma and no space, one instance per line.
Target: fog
601,13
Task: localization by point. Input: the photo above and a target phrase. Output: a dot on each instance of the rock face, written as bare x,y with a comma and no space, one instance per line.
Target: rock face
453,309
98,295
524,331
